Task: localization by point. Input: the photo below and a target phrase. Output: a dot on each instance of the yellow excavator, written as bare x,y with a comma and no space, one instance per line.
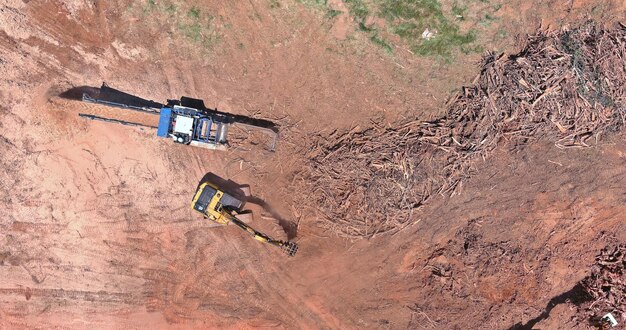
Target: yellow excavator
224,208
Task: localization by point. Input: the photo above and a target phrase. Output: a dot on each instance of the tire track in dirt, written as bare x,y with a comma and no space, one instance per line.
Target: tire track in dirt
143,248
120,224
61,295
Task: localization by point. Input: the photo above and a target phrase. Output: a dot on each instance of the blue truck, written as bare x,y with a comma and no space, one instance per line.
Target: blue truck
186,121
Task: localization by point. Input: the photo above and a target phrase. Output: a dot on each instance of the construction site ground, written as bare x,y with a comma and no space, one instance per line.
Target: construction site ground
96,228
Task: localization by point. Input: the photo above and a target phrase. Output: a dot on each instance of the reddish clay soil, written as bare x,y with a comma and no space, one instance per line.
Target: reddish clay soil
95,225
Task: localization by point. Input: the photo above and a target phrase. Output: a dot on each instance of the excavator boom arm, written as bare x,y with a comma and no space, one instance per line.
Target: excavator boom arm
288,247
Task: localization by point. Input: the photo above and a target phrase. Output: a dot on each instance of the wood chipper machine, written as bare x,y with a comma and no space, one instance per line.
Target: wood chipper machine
186,121
221,207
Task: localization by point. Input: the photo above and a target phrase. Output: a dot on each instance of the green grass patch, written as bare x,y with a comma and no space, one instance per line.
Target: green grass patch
193,13
171,9
332,13
358,9
149,6
487,20
192,23
454,27
410,18
199,28
419,10
377,40
315,3
445,42
459,11
274,4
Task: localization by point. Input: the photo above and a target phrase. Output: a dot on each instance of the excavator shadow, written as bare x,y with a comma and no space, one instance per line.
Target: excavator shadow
242,192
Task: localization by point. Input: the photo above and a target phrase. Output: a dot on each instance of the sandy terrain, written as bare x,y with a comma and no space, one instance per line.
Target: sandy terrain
95,225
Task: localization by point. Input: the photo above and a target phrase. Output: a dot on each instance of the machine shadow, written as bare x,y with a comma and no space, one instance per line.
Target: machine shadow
288,226
576,295
199,104
108,94
76,93
238,190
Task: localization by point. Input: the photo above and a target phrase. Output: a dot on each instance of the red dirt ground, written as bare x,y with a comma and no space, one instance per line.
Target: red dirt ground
95,225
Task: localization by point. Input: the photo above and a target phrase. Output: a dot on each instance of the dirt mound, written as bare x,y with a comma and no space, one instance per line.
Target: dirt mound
563,85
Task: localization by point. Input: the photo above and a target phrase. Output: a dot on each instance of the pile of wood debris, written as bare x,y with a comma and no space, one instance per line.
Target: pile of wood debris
567,86
607,285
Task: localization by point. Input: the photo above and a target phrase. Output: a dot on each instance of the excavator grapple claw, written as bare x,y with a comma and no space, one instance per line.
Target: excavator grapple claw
290,248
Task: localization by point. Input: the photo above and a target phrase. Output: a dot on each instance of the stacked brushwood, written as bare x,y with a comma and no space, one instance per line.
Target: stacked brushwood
606,285
567,86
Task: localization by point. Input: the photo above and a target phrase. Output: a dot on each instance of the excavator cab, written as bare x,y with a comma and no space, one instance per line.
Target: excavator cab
203,198
209,196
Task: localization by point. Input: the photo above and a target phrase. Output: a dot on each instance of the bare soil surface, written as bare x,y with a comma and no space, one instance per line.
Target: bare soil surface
95,224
